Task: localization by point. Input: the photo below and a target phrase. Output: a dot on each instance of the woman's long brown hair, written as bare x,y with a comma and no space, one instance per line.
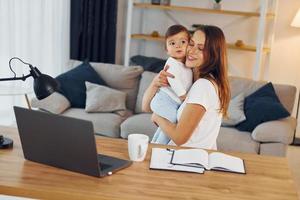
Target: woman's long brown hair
215,64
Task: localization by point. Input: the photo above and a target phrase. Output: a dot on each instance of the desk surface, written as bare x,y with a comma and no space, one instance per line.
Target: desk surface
266,178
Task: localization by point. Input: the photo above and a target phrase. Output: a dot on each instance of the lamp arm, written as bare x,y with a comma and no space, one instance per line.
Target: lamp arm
23,78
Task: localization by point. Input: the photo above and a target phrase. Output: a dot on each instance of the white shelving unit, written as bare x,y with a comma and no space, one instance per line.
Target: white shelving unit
262,49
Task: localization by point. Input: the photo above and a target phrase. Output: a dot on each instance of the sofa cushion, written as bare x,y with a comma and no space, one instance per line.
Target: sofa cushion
72,83
286,95
231,139
243,85
107,124
139,123
100,98
151,64
235,111
281,130
145,81
125,79
55,103
262,106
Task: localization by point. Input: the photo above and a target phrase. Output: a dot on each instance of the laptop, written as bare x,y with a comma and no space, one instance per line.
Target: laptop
63,142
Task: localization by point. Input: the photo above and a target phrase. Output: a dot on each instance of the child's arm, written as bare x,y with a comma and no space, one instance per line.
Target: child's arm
160,80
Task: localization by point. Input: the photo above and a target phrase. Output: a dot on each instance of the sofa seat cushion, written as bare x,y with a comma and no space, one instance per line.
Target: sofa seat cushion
231,139
140,123
107,124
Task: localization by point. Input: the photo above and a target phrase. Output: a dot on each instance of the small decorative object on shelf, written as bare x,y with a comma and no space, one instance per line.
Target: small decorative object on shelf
155,34
165,2
217,4
239,43
155,2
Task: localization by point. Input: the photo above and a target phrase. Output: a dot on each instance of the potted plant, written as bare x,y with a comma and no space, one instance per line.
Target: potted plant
217,4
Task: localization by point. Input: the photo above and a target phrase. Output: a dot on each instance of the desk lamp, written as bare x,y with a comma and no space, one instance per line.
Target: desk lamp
43,85
296,23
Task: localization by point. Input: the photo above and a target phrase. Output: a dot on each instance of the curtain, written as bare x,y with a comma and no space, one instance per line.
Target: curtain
36,32
93,30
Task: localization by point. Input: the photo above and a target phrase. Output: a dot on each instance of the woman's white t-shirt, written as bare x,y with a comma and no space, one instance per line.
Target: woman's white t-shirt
203,92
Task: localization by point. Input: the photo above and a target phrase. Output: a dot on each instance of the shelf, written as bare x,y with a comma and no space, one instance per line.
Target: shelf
203,10
229,45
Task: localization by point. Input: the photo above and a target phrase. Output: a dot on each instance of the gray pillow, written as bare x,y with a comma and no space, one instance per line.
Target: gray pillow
55,103
100,98
235,111
122,78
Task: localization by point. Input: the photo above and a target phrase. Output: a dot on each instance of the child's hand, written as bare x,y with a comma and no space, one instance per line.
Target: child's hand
182,98
161,79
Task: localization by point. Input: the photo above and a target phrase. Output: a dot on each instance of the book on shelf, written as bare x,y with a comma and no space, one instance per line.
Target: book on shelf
192,159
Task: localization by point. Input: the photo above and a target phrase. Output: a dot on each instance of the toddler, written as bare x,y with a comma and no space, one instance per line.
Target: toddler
167,100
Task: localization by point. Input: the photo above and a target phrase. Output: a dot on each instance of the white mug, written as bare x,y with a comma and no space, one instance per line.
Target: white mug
137,146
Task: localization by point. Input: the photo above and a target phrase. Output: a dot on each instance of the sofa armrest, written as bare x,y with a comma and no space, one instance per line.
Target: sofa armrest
276,131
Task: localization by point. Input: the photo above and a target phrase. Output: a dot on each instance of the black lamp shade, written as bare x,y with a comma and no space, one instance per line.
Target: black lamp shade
44,85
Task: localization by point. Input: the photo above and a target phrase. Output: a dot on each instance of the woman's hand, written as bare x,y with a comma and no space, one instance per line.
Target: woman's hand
161,79
154,118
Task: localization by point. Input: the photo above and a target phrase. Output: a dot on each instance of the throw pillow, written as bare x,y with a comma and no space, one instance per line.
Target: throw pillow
72,83
104,99
262,106
235,111
148,63
55,103
122,78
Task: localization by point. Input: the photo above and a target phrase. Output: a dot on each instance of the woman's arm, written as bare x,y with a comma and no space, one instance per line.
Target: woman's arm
181,132
148,95
158,81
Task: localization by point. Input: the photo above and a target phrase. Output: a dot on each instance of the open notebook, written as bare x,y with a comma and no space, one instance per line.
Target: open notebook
161,159
200,158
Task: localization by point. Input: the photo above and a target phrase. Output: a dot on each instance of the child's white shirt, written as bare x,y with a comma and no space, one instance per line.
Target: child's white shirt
181,83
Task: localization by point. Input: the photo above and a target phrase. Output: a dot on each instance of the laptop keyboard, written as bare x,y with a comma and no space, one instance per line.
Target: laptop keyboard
104,166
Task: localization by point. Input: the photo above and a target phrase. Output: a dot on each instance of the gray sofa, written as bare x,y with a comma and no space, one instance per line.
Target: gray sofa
269,138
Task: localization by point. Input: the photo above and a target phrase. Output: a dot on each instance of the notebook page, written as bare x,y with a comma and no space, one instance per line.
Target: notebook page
224,162
160,159
191,157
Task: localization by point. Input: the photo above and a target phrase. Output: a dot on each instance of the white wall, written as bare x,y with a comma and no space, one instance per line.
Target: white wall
285,57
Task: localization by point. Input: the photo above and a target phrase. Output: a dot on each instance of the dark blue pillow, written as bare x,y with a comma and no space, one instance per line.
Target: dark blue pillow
262,106
72,83
151,64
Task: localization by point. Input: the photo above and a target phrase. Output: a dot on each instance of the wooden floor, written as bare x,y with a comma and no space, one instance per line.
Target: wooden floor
293,156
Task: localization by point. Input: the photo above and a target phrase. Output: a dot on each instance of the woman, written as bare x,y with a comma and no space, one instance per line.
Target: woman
199,117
